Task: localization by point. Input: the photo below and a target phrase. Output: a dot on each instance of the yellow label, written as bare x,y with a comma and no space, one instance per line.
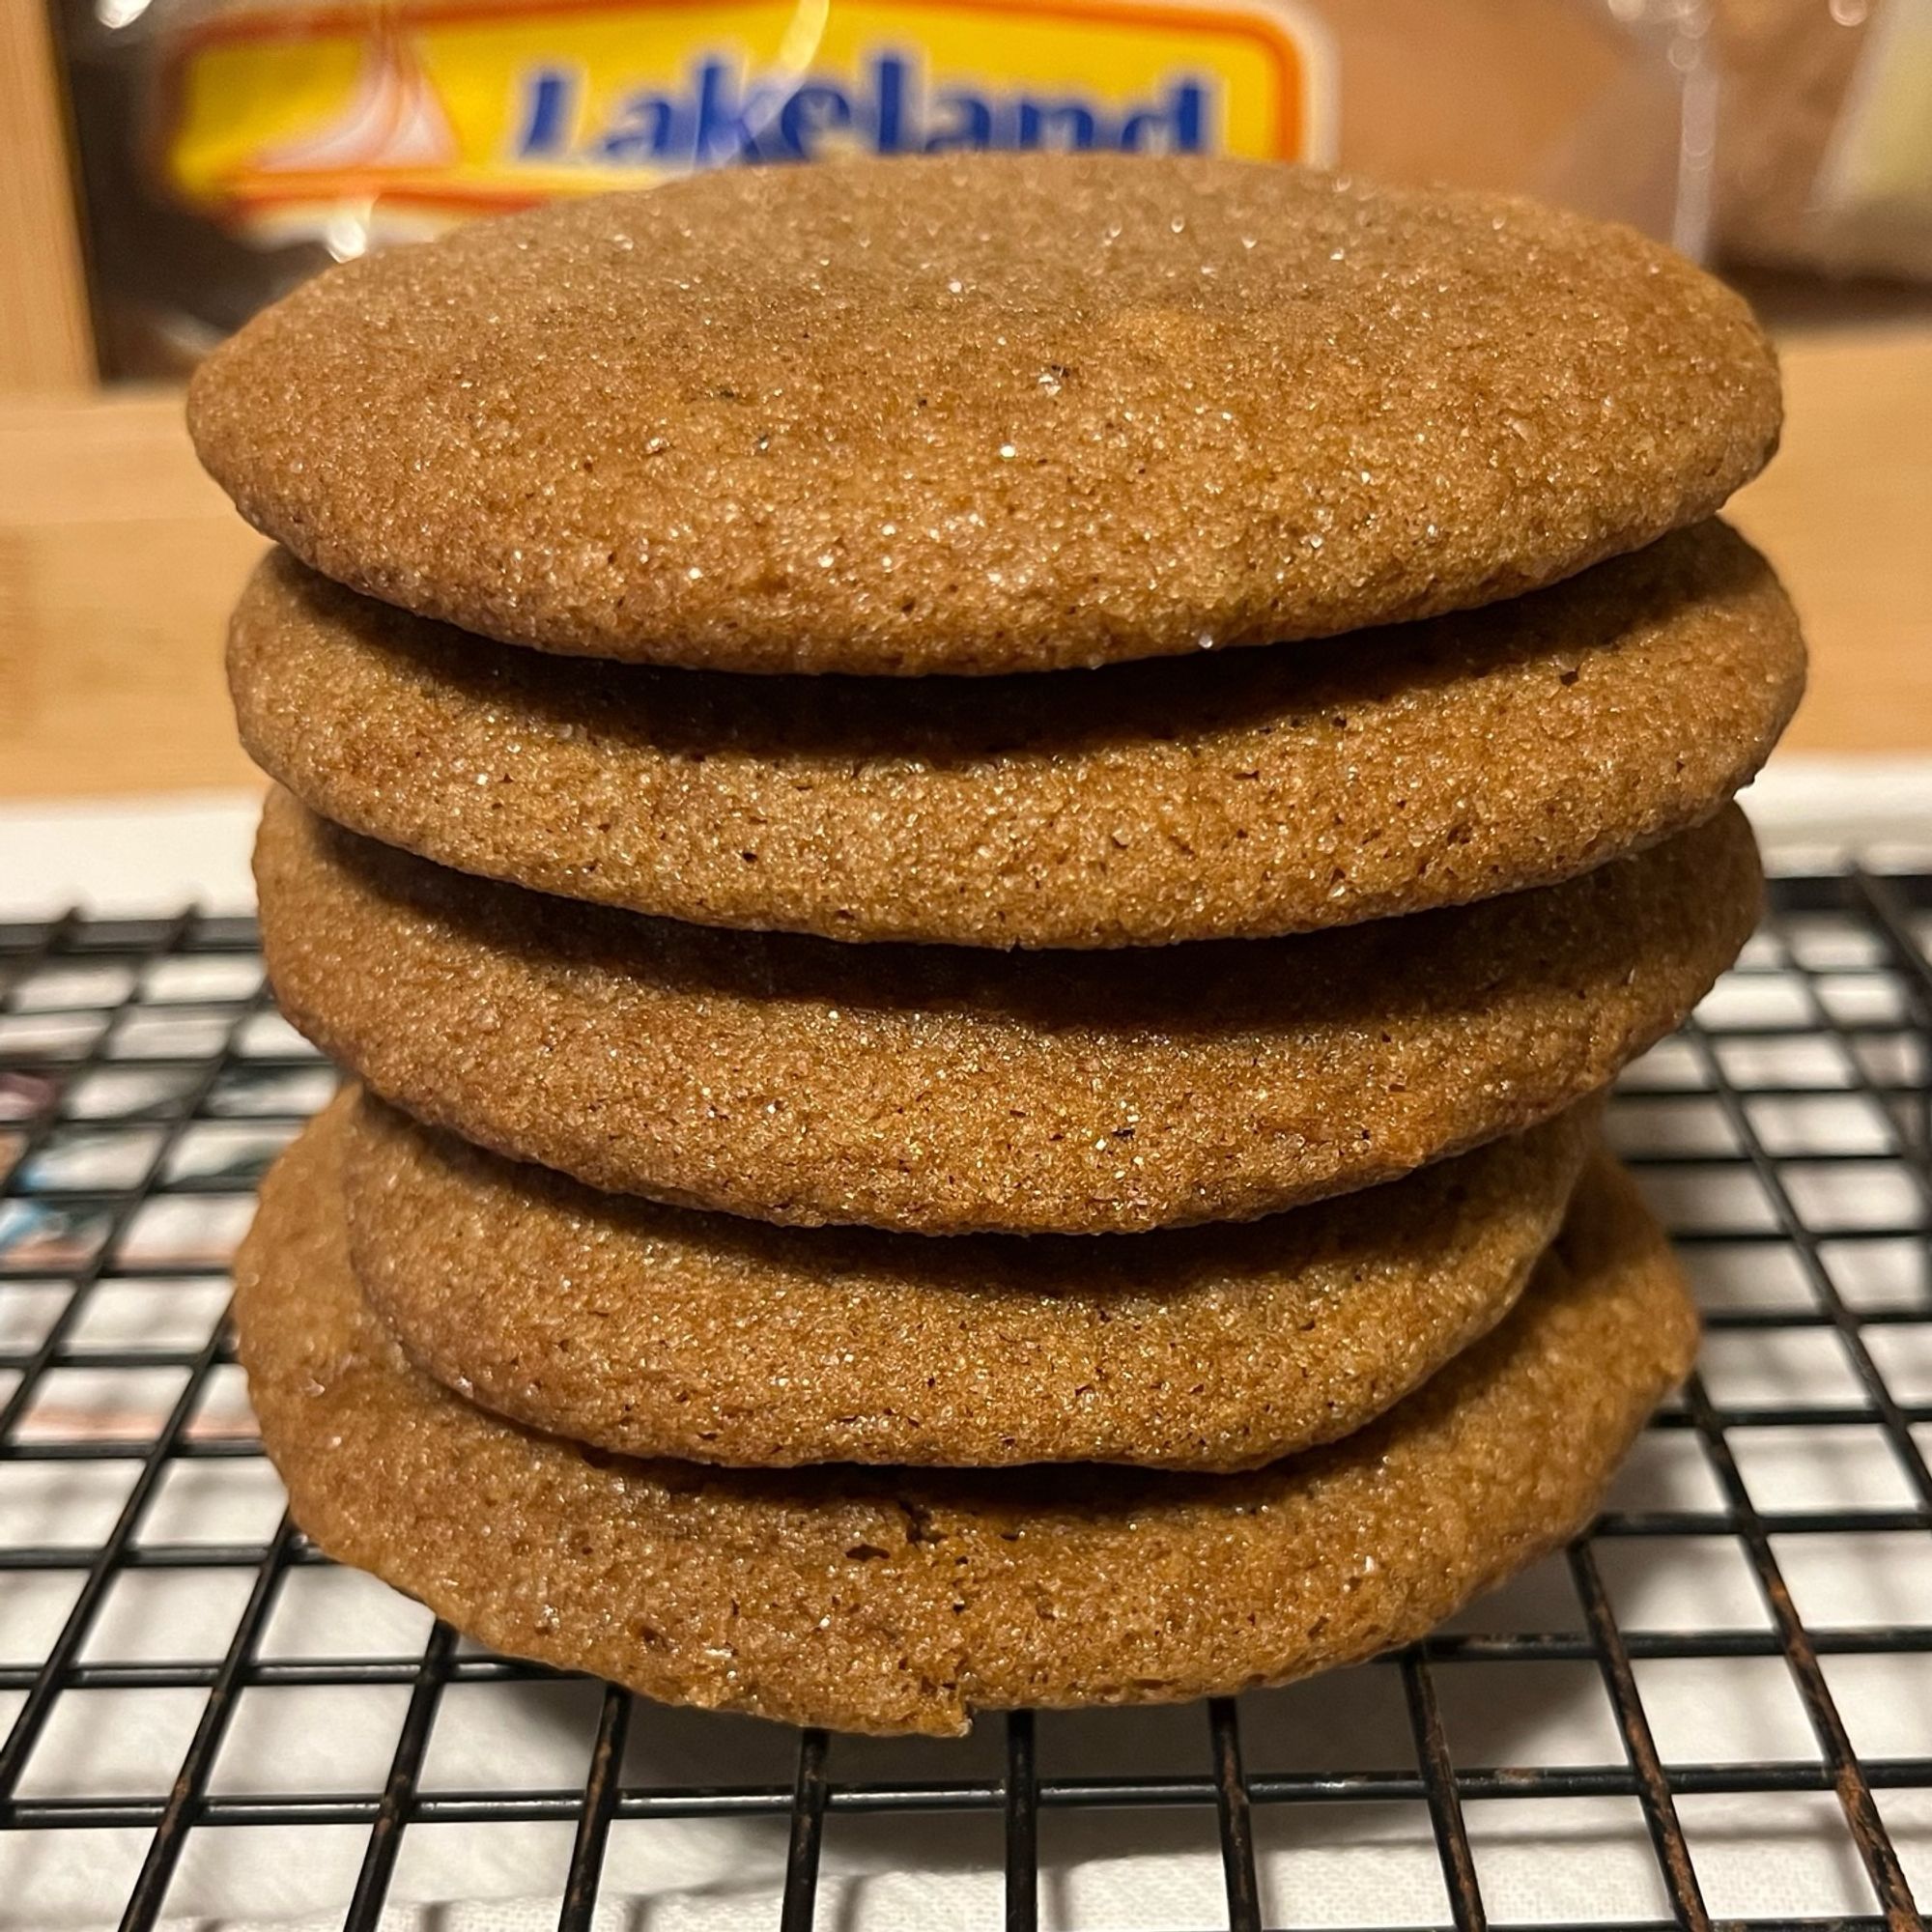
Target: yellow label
419,111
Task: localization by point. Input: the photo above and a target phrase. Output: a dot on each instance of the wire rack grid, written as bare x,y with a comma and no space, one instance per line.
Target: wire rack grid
145,1080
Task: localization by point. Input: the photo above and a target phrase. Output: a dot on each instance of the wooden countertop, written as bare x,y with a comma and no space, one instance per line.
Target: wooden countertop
118,560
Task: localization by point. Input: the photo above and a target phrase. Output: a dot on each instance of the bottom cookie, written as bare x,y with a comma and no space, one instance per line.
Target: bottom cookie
883,1600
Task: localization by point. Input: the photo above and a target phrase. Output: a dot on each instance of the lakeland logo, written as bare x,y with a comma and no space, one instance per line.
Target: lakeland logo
295,119
719,115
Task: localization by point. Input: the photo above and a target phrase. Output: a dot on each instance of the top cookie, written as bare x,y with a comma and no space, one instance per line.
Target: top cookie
1005,412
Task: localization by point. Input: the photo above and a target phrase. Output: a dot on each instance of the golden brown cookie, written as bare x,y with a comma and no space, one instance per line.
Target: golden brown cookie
903,1601
659,1333
1268,791
985,413
941,1089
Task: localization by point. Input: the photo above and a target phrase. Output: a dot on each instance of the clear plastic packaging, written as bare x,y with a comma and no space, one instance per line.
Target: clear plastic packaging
1826,160
231,147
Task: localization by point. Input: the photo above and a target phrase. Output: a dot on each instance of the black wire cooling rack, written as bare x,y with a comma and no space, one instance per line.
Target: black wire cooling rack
145,1079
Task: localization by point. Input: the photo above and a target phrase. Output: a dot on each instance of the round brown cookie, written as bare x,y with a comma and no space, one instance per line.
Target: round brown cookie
661,1332
943,1091
986,413
1270,791
902,1600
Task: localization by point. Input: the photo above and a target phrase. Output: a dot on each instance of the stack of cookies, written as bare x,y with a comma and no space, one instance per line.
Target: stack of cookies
979,833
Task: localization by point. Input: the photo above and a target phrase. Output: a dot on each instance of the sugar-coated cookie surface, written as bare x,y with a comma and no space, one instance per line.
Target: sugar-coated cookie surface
1241,795
659,1333
985,413
904,1601
943,1090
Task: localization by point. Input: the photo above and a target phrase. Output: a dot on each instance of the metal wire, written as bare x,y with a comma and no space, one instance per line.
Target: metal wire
1883,1060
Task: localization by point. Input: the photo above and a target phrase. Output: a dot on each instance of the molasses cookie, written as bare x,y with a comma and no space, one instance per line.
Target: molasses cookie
947,1090
985,413
1240,796
661,1332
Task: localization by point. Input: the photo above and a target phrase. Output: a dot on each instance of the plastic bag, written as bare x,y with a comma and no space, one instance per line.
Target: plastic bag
1826,160
231,147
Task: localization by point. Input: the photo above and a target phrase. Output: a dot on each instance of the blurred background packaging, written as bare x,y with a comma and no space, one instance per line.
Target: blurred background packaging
169,166
1825,149
227,147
